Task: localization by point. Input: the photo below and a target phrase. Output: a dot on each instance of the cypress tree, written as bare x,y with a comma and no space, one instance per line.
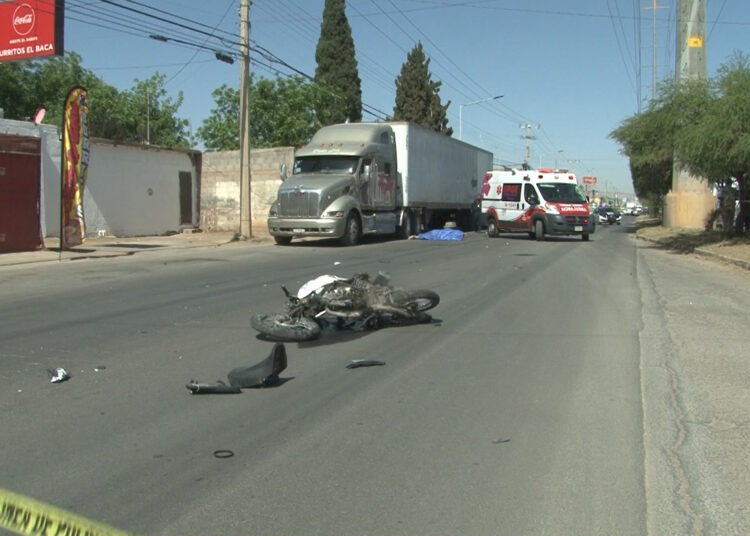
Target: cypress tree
336,70
418,96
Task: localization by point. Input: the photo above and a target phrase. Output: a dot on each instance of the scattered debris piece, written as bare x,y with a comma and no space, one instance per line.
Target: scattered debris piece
501,440
100,367
219,388
58,375
365,363
223,453
263,374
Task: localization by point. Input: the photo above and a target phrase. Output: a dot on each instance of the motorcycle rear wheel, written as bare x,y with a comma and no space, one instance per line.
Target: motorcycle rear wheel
280,327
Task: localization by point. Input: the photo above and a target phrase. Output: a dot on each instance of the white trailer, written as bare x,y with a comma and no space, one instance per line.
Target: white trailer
438,172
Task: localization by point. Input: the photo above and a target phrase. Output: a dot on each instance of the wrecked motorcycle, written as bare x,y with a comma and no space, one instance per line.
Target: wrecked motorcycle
345,303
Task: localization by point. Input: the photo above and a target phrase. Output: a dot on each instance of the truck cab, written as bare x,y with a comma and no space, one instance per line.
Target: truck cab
343,184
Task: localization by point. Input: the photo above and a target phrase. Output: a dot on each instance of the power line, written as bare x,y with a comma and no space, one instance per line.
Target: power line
172,37
231,2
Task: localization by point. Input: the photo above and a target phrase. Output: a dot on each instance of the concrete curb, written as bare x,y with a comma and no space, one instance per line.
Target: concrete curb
705,253
111,247
725,258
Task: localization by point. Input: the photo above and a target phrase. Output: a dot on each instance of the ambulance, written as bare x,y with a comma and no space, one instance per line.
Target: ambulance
535,201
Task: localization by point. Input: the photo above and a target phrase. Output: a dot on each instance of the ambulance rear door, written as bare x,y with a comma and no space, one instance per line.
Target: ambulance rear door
510,208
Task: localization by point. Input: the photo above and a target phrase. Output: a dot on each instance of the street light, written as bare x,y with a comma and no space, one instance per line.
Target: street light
461,113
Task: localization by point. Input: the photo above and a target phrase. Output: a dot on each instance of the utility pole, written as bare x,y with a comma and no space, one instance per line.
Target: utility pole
246,227
528,137
148,117
689,201
654,64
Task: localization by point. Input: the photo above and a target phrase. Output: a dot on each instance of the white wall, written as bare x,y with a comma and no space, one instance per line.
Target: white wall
134,190
131,190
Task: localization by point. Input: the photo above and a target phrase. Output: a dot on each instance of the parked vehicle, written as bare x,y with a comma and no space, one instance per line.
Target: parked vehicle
377,178
538,202
345,303
609,215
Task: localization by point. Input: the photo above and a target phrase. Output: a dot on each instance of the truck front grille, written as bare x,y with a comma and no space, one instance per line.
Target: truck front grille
296,204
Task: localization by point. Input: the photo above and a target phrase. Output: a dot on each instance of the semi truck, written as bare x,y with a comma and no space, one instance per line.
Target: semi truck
383,178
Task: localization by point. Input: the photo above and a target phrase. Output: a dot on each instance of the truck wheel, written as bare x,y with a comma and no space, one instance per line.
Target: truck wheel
283,240
539,230
404,230
585,237
351,231
492,230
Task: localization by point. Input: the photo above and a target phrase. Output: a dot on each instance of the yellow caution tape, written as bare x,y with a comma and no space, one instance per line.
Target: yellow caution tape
23,515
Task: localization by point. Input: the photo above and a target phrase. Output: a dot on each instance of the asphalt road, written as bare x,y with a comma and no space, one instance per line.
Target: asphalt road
517,411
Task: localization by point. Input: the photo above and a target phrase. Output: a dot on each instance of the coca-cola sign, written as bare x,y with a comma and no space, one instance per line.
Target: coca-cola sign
23,19
31,29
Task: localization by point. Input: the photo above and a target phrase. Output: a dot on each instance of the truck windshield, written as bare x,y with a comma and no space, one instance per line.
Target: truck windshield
561,193
325,164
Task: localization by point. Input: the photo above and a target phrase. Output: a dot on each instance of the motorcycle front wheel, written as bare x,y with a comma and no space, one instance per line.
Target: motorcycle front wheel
416,300
280,327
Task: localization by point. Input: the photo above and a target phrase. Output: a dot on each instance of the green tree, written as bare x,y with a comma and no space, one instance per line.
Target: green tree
336,69
418,96
53,78
15,99
648,138
645,141
220,131
282,113
122,116
109,113
27,86
154,114
706,123
715,144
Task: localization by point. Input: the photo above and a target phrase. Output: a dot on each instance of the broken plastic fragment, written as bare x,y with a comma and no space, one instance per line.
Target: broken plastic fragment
219,387
365,363
501,440
265,373
58,375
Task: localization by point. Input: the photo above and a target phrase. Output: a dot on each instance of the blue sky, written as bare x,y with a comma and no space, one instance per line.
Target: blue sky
571,69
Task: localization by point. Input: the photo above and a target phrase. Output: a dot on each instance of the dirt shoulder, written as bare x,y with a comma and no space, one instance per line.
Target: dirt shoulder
711,244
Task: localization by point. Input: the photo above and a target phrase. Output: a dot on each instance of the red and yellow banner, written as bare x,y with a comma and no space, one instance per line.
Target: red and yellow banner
75,163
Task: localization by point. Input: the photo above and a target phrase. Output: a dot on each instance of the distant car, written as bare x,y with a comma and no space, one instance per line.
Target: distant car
609,215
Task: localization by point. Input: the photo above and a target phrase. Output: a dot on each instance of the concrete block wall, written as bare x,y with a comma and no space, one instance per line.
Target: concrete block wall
220,187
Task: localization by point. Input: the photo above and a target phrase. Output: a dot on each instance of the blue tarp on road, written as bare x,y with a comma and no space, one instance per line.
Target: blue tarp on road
442,234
